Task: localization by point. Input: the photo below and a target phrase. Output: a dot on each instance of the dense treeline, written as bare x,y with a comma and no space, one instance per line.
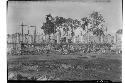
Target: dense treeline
94,23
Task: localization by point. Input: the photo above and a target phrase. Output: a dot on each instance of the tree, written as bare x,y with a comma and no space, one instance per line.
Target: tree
98,32
84,26
97,19
97,22
48,26
86,21
59,21
70,23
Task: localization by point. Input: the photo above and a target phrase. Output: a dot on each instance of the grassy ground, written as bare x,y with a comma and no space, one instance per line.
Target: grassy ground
65,67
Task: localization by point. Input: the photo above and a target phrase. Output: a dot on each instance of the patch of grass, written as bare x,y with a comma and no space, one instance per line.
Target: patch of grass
69,69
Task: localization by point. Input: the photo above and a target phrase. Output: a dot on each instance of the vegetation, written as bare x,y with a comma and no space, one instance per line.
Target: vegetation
96,20
94,24
84,61
63,69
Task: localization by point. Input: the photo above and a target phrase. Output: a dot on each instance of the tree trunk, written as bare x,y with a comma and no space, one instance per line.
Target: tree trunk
116,38
66,36
87,35
99,39
49,38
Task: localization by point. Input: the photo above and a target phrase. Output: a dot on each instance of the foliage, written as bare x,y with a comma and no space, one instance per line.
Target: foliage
48,27
86,22
98,32
96,20
59,21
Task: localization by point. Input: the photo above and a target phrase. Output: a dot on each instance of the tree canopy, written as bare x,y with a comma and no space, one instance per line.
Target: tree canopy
95,19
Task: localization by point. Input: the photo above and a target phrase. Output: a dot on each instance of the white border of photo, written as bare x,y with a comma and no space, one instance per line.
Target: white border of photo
3,45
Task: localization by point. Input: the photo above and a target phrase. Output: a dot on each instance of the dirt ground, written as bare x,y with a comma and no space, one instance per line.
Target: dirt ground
65,67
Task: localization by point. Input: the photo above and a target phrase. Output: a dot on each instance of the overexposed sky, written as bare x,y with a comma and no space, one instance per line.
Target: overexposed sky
33,12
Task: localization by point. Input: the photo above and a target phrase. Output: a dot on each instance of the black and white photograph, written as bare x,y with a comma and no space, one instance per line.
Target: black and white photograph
64,40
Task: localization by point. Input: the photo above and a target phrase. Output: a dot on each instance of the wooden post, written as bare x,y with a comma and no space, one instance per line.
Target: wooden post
22,25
